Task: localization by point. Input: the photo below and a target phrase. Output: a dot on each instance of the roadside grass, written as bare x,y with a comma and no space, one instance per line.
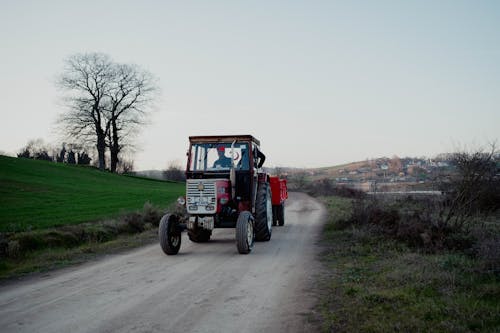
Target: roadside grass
39,194
375,283
54,258
53,215
45,249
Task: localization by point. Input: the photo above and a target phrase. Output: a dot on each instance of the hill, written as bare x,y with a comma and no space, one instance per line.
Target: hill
39,194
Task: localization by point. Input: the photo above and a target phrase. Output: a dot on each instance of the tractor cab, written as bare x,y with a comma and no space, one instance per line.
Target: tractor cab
233,158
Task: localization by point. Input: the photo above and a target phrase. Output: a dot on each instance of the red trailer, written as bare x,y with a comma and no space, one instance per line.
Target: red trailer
279,194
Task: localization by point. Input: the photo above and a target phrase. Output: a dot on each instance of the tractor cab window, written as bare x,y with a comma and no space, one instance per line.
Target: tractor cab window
218,156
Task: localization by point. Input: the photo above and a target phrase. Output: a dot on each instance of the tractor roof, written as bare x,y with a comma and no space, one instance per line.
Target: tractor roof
223,138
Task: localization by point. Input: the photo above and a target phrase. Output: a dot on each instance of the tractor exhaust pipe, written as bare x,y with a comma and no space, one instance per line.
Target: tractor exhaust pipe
232,173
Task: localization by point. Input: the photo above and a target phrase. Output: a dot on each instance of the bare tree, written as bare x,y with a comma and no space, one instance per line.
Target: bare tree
475,186
86,78
125,166
279,171
395,165
298,179
129,97
36,149
107,101
174,172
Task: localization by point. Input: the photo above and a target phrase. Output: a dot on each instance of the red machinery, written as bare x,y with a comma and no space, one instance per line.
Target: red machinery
226,187
279,194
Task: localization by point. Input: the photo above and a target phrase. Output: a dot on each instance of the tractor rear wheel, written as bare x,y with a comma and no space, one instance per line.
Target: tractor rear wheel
199,235
264,213
245,232
169,234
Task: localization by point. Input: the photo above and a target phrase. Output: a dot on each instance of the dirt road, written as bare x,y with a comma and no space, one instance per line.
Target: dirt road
205,288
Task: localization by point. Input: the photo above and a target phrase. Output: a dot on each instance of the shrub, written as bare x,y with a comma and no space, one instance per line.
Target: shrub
13,249
151,214
488,250
174,172
416,222
487,245
134,222
324,187
17,244
473,189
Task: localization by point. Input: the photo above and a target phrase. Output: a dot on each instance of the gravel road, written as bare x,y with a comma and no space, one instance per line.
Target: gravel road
205,288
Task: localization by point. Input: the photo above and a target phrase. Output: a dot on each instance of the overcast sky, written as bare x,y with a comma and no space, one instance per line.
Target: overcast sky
320,83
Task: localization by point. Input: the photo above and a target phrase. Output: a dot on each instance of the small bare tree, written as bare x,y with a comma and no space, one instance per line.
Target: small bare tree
37,149
125,166
474,188
174,172
298,180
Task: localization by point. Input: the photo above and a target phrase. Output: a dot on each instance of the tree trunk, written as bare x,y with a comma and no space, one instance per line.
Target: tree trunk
101,149
114,147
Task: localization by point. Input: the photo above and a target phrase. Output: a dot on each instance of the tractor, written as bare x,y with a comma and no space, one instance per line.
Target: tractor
225,188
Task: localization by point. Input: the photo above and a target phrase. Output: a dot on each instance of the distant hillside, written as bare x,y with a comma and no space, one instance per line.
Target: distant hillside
37,194
393,169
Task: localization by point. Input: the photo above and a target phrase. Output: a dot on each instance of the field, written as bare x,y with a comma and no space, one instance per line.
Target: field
375,283
39,194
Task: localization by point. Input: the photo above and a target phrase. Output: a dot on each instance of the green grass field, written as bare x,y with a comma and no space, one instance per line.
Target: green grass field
40,194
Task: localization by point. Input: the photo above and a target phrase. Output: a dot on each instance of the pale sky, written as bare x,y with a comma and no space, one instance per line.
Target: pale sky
320,83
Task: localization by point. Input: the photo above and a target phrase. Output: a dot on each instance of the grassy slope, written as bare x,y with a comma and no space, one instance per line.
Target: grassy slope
40,194
376,284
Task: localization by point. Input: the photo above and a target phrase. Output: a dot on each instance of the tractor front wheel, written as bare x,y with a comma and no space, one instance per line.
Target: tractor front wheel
244,232
169,234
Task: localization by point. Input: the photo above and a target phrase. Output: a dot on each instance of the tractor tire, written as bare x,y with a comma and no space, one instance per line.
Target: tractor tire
245,232
264,213
170,236
199,235
281,214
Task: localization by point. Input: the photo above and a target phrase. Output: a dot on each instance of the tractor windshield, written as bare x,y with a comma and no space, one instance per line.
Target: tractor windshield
218,156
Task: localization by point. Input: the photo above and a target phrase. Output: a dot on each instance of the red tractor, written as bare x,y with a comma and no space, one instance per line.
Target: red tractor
225,189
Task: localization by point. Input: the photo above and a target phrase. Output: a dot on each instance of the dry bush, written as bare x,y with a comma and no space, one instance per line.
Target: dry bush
488,250
17,244
134,222
487,245
151,214
416,222
433,223
473,189
125,166
174,172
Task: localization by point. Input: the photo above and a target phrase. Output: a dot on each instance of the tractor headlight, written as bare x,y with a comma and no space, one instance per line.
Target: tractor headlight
181,201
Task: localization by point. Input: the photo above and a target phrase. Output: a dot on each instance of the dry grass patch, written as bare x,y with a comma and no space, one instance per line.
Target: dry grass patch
374,282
